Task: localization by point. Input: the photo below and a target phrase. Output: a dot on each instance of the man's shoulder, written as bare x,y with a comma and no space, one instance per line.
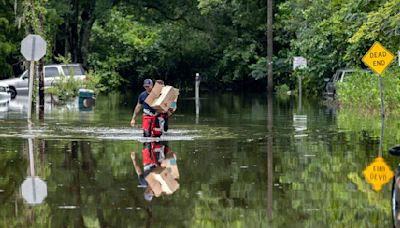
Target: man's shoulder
143,96
144,93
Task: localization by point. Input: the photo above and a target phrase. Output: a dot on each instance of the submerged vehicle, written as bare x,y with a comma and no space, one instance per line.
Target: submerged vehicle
339,76
52,73
5,95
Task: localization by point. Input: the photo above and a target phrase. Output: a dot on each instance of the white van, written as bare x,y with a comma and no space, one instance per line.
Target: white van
51,74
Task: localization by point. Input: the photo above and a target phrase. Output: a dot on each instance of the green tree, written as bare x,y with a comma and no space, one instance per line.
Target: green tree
10,37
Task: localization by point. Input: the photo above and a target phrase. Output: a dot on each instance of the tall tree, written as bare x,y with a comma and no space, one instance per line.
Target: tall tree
10,37
77,23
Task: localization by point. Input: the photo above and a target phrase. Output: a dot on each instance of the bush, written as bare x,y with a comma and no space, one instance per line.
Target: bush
102,81
66,88
282,89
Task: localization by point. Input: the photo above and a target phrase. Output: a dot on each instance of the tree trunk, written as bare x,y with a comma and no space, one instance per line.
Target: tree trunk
41,89
41,73
88,18
73,31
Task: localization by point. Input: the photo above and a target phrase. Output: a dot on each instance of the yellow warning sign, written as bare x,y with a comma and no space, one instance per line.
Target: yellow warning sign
378,173
378,58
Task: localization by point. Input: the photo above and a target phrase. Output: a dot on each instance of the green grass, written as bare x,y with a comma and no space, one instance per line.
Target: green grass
361,92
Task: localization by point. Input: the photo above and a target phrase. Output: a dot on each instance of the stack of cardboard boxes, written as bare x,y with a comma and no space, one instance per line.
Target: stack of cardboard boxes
161,97
163,179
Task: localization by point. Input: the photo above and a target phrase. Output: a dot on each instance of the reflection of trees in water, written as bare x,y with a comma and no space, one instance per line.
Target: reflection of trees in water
14,168
328,188
92,191
73,179
229,189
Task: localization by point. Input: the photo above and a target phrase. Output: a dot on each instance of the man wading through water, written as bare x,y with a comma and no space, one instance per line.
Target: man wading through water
148,113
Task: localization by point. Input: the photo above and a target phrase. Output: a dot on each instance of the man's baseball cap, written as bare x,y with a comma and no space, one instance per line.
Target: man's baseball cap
147,82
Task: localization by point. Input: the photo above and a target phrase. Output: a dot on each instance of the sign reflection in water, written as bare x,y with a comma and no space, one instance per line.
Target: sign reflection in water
33,189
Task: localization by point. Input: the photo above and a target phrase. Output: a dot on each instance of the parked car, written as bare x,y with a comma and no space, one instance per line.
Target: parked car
339,76
52,73
5,95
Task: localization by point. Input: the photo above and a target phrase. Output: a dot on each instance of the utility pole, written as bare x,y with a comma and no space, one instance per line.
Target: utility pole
270,85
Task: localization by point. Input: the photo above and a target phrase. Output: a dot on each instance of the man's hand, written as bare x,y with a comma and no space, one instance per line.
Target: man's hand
138,107
137,167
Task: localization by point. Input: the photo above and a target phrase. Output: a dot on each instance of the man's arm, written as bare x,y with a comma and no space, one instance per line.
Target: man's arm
135,112
137,167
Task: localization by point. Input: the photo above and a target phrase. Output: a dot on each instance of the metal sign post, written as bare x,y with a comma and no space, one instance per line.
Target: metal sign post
378,59
33,48
30,89
378,173
299,62
299,120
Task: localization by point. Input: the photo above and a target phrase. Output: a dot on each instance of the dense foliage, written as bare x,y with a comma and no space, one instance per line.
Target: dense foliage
336,34
9,38
123,41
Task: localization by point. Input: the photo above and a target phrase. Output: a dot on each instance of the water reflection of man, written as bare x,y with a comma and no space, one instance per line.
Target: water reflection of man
153,153
148,193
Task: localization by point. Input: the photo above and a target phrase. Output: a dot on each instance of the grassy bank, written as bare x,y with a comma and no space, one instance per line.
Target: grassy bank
361,92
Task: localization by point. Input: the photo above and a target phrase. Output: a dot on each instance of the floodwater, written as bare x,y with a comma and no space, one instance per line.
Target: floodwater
241,164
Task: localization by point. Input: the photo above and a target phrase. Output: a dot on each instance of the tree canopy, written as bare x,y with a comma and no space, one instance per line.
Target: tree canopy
123,41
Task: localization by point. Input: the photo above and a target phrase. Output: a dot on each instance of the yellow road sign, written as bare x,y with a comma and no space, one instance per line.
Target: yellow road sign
378,58
378,173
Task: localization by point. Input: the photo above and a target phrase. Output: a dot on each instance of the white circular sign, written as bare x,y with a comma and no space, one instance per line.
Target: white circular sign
33,47
34,190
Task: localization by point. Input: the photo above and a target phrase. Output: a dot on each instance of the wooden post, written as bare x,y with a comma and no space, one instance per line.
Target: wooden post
41,89
300,93
197,96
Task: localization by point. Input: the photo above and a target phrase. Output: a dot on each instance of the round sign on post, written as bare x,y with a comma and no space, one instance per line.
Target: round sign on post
34,190
33,47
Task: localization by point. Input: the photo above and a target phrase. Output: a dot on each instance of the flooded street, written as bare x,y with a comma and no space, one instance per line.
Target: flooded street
309,176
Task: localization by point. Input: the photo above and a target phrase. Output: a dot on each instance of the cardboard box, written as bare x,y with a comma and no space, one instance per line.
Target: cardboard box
153,182
161,180
154,94
170,164
168,95
168,184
